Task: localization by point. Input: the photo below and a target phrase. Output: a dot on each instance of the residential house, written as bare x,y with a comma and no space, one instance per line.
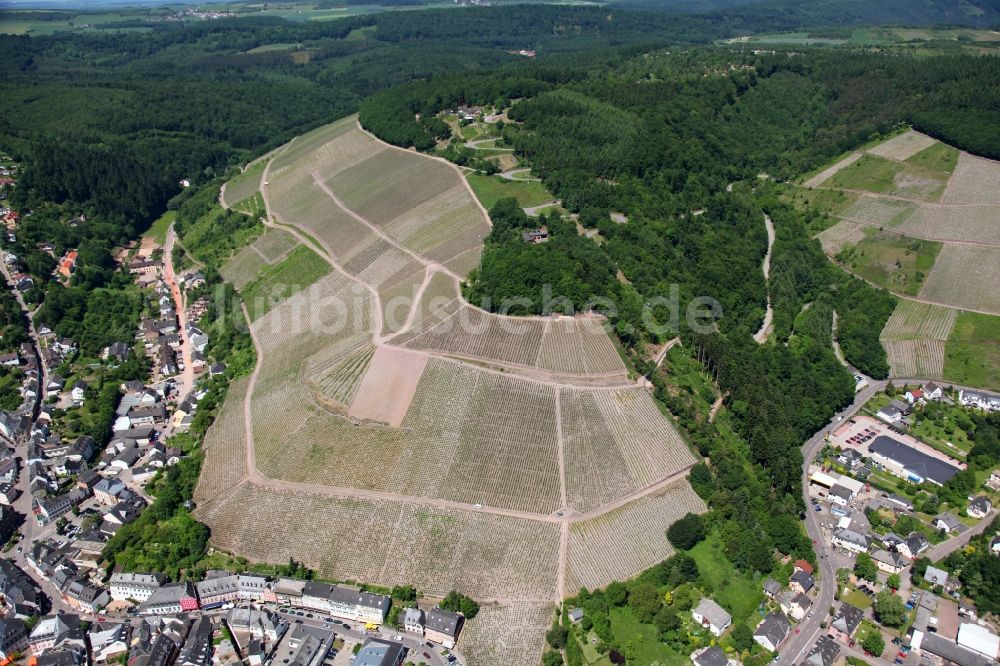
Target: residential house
979,399
107,491
79,392
771,588
890,563
197,650
711,656
914,396
575,615
772,631
50,629
710,614
825,653
795,605
913,545
84,597
441,626
222,587
979,507
108,642
170,599
932,391
946,522
135,586
379,652
846,621
890,414
801,581
262,625
936,576
850,540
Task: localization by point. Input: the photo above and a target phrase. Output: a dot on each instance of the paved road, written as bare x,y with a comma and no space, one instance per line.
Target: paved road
186,379
946,548
809,629
765,327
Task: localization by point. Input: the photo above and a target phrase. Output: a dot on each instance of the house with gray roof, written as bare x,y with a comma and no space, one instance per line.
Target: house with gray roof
979,507
846,621
936,576
772,631
710,656
948,522
379,652
710,614
442,626
824,653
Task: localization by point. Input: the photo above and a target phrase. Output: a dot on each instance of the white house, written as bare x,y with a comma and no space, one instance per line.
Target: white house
772,631
890,414
979,507
712,615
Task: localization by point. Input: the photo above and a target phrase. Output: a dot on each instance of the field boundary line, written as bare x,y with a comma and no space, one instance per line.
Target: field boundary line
562,562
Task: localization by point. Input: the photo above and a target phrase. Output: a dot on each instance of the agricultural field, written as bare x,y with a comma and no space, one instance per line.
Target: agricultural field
972,353
914,339
937,157
224,447
244,185
482,554
903,146
880,175
841,235
969,223
898,263
976,180
511,633
269,248
623,542
966,277
615,441
298,270
402,419
824,175
878,212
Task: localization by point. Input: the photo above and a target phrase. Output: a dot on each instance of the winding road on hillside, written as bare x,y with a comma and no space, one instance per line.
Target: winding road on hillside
765,328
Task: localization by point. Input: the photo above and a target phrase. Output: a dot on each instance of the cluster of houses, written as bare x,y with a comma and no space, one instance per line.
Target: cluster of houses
165,633
162,337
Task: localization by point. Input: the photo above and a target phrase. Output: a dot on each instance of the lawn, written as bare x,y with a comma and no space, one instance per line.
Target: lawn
491,189
858,599
898,263
158,230
972,353
731,589
646,647
297,271
944,429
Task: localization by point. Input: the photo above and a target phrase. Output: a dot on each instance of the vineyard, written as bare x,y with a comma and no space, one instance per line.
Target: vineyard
390,543
841,235
915,358
275,284
970,223
904,146
615,442
243,185
447,216
339,376
271,247
512,633
565,346
623,542
831,171
878,211
966,277
224,447
914,338
975,181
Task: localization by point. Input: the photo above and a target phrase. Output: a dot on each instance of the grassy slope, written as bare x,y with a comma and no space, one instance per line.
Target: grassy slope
299,269
158,230
731,590
940,157
490,189
898,263
972,353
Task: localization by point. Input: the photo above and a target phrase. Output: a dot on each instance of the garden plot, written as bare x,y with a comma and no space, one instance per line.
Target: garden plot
841,235
481,554
977,224
903,146
966,277
623,542
615,442
388,386
225,446
975,180
512,633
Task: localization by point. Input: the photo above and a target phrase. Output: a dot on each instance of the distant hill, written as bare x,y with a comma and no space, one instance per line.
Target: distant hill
790,14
